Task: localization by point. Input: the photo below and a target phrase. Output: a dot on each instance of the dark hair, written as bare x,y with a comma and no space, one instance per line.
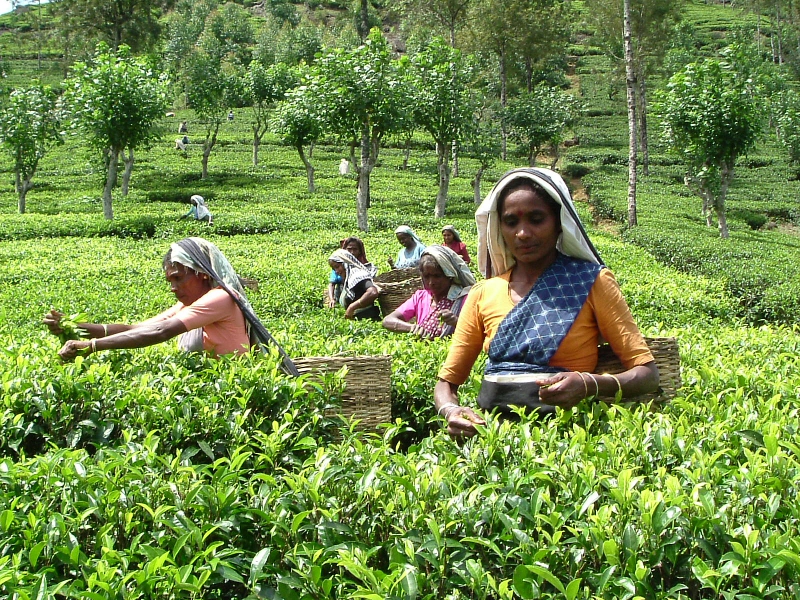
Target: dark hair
523,183
357,242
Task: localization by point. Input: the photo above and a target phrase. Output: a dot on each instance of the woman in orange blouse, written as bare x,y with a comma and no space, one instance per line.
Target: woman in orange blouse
546,303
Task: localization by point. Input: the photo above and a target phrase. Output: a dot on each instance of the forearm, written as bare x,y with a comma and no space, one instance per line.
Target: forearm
445,394
642,379
366,300
141,336
393,322
99,330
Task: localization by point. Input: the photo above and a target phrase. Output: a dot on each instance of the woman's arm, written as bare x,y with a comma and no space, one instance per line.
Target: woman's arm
134,337
366,299
395,322
567,389
331,298
461,420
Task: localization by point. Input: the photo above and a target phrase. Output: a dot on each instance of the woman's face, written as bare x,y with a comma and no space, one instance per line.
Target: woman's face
406,240
338,268
434,279
187,285
448,237
354,249
530,228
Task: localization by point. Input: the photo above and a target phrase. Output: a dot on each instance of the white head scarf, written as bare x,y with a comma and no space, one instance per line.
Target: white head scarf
453,267
356,272
407,230
202,207
219,263
494,258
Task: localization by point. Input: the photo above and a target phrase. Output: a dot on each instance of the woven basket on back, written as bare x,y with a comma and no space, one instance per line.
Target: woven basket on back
396,275
397,286
668,360
368,385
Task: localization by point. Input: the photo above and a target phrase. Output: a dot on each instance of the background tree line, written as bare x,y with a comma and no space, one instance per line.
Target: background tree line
472,74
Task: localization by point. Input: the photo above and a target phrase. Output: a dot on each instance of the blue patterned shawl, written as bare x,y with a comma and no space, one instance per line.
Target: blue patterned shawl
531,332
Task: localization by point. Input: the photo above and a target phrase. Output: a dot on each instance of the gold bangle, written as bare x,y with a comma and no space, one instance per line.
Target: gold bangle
105,330
596,385
619,385
93,345
585,387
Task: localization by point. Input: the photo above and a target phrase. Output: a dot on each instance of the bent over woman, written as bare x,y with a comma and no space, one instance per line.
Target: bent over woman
541,312
212,314
446,281
358,292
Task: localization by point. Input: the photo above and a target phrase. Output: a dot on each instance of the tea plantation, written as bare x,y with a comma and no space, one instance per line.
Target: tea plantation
153,474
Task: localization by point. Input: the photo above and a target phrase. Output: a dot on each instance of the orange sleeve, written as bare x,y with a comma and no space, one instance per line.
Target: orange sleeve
605,314
467,340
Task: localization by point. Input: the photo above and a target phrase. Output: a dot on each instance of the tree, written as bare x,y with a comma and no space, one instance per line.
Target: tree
296,120
211,90
651,27
789,125
439,80
709,117
265,86
115,22
360,95
29,127
630,95
116,101
540,118
483,144
447,15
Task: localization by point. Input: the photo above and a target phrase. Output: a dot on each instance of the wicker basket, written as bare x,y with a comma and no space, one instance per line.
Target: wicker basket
668,360
392,295
368,386
396,275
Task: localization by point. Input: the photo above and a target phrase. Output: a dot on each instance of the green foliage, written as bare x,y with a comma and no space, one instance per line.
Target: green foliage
29,127
115,99
540,118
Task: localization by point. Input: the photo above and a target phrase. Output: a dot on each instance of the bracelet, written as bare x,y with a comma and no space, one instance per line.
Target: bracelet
105,330
93,345
443,412
585,387
619,385
596,385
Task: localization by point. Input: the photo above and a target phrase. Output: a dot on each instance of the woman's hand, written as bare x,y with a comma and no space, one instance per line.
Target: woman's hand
350,311
75,348
52,320
566,389
449,318
461,421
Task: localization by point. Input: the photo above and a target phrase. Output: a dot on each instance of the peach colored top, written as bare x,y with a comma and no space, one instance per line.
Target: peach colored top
605,314
224,330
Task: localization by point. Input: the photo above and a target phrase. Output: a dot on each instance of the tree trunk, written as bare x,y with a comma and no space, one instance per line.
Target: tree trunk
128,159
111,178
444,183
532,151
630,85
556,155
726,174
309,168
407,153
22,187
642,108
257,134
454,154
363,21
476,184
503,103
364,171
208,145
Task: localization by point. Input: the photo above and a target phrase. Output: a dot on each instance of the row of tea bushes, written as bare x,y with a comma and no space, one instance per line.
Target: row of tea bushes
689,500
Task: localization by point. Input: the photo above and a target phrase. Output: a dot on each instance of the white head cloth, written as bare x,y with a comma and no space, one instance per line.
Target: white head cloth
219,263
494,258
453,267
202,207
